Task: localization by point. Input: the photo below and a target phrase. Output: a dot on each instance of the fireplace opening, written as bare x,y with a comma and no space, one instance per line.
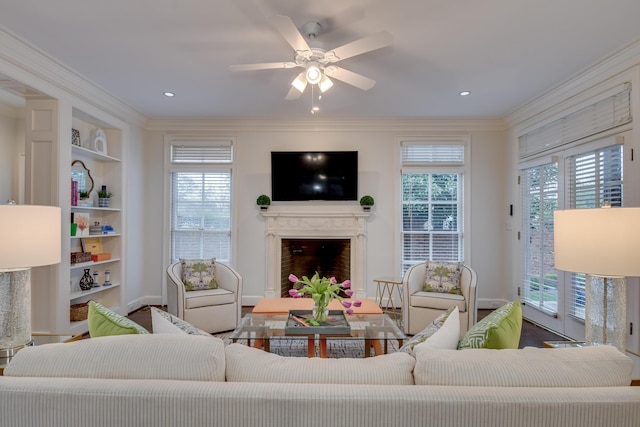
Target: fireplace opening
303,257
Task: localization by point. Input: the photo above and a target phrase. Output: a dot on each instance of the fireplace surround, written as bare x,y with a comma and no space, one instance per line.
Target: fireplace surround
321,225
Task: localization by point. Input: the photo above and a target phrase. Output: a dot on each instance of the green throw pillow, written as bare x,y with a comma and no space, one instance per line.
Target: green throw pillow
199,274
499,330
104,322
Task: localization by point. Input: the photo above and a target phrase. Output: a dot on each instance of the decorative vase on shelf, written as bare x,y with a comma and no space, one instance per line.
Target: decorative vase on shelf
86,281
104,202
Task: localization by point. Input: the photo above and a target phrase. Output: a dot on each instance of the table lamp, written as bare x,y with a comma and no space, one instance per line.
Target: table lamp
30,238
603,244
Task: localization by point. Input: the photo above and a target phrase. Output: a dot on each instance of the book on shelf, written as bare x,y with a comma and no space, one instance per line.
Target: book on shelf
93,245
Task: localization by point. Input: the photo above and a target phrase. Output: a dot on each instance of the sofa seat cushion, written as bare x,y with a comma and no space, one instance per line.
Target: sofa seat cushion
140,357
595,366
248,364
207,298
437,300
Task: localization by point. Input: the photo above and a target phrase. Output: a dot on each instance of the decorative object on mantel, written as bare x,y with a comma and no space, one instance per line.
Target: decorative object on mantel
104,197
366,202
322,291
99,143
263,201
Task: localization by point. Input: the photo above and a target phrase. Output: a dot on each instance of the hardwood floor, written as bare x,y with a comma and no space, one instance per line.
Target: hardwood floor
531,335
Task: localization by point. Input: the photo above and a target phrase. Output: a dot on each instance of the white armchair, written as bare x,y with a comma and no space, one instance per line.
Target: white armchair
212,310
421,308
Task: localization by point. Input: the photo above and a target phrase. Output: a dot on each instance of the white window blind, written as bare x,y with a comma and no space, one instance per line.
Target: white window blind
413,153
608,113
201,152
201,215
539,186
594,177
432,203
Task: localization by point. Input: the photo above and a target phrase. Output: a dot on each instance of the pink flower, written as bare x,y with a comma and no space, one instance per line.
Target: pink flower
346,304
357,303
293,278
293,293
349,311
346,284
349,292
333,280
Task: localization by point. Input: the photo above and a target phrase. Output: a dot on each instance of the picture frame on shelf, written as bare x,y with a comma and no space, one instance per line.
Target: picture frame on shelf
75,138
83,219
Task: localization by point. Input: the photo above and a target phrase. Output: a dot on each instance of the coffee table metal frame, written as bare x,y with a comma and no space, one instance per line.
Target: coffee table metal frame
373,330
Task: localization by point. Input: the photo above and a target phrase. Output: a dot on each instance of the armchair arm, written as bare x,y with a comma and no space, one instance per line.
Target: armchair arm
175,290
229,279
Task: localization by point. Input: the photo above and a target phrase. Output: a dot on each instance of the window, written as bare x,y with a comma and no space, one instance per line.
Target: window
432,203
540,199
595,177
200,181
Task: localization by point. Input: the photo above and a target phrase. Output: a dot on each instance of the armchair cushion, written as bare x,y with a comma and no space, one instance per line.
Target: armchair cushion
443,277
437,300
499,330
208,297
199,274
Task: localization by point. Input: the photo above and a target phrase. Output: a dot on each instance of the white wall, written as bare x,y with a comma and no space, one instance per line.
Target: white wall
379,174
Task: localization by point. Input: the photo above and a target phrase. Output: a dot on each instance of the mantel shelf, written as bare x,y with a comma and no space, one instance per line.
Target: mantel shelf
314,214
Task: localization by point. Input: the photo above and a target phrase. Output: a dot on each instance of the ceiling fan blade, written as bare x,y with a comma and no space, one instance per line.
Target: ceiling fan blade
354,79
293,94
290,32
262,66
363,45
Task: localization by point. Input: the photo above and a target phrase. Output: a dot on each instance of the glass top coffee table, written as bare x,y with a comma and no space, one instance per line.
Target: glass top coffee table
371,332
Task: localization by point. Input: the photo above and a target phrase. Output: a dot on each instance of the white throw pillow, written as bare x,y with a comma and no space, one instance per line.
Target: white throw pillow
166,323
445,338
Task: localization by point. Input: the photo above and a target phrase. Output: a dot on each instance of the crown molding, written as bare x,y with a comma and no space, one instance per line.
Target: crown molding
606,68
25,63
364,125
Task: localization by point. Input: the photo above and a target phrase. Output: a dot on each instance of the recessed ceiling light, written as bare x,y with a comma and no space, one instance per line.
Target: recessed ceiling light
169,94
465,93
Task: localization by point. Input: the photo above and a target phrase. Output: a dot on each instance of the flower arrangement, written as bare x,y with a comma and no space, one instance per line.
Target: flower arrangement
322,291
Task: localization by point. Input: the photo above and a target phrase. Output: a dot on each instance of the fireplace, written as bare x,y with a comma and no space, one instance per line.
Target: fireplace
342,233
304,257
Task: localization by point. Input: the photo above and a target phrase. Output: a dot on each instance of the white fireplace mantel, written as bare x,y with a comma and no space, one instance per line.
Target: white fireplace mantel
315,225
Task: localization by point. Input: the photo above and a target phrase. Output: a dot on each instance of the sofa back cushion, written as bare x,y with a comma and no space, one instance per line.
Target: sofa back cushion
247,364
160,356
596,366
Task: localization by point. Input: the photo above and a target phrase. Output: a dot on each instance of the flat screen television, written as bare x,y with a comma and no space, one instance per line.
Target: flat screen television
314,175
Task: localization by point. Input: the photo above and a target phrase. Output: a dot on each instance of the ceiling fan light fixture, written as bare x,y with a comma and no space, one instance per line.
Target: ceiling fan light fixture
313,74
300,82
325,84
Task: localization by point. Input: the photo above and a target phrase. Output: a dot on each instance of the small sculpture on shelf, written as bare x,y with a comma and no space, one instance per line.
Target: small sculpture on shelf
86,281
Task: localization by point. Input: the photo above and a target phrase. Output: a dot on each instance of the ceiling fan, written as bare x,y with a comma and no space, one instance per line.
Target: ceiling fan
319,63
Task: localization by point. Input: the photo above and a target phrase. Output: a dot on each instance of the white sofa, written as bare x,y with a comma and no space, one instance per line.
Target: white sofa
186,380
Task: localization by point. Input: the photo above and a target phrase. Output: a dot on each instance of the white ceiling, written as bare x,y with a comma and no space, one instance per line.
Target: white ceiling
505,52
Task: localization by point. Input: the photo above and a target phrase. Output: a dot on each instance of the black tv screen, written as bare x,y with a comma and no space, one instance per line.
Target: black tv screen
314,175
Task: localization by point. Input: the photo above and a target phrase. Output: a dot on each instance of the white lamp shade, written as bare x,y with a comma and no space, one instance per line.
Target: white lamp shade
603,242
31,236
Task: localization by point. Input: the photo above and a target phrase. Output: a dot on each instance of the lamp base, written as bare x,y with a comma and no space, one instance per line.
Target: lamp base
15,309
606,314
